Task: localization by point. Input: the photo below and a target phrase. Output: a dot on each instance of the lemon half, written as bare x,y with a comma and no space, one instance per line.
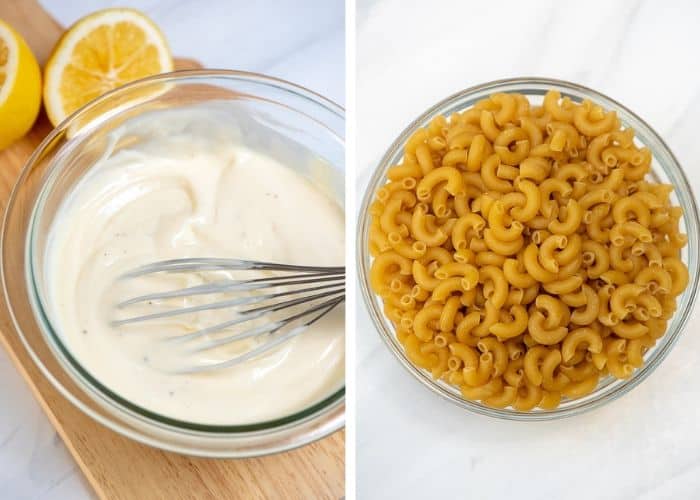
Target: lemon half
20,86
101,52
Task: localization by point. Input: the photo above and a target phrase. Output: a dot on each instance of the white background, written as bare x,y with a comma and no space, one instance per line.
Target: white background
301,41
412,444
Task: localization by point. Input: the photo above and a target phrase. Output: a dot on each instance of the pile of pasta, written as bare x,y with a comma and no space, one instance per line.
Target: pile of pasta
520,252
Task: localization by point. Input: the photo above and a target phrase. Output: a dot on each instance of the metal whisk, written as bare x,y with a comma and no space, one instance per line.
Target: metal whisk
288,303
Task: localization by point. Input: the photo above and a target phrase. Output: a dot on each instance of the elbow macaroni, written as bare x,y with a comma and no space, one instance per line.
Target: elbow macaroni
521,254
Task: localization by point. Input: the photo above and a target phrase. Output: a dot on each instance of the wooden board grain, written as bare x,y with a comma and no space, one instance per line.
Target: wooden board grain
115,466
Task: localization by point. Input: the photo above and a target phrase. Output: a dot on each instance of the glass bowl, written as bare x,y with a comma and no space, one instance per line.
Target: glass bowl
665,168
269,114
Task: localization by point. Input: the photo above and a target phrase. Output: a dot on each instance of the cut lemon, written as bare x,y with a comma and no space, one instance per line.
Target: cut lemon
20,86
100,52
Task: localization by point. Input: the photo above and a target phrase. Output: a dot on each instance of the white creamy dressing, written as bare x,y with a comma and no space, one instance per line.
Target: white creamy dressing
190,192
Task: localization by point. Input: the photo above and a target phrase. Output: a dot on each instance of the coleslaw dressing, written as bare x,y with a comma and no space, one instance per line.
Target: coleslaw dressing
187,192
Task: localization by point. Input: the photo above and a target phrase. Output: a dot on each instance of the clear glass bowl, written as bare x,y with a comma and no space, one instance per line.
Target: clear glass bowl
268,112
665,168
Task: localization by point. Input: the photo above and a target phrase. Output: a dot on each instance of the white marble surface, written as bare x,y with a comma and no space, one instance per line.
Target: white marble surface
301,41
412,444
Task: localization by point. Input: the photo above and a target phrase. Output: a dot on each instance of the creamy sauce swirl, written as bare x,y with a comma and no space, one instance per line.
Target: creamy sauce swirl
190,193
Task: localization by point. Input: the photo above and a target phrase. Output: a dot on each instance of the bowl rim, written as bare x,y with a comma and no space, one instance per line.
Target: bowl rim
387,334
331,406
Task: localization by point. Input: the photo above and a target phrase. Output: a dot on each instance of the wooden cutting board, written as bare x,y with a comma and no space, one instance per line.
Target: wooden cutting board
115,466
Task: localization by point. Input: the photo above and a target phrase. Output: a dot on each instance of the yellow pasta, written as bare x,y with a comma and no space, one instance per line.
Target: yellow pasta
516,324
521,254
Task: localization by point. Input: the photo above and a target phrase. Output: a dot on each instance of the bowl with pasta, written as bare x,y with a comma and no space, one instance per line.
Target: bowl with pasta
524,248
